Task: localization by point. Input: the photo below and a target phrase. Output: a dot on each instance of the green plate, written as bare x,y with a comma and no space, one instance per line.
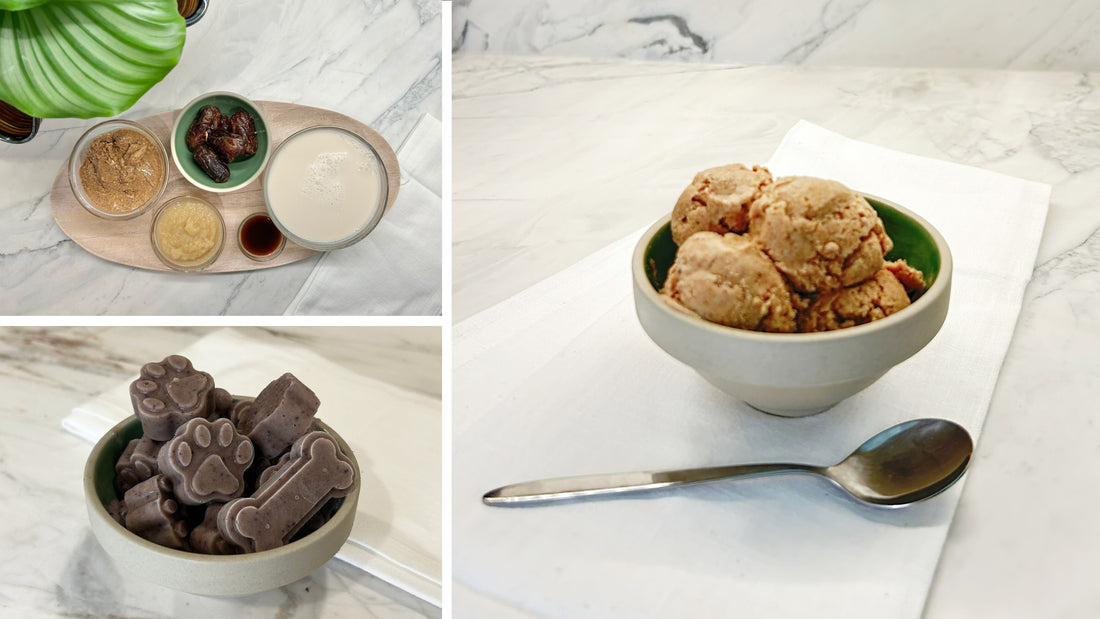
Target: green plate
911,242
241,171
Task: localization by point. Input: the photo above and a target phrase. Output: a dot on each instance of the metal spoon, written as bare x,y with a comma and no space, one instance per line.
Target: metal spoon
906,463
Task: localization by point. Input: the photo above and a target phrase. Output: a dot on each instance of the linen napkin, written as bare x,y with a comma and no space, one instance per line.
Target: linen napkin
397,269
395,434
561,380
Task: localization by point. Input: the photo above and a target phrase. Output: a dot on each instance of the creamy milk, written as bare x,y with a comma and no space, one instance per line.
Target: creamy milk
324,185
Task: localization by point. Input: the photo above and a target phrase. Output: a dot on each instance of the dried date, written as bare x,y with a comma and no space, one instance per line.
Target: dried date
208,160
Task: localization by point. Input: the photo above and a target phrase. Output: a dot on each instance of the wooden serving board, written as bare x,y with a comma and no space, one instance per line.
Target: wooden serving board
128,242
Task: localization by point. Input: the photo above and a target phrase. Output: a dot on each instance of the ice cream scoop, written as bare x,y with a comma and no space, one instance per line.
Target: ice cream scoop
903,464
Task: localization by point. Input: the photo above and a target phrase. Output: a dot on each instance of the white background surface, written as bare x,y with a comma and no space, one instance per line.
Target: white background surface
54,567
555,158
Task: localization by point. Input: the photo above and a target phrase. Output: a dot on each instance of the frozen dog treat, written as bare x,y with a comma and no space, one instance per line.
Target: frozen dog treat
223,404
228,476
316,472
169,394
282,412
206,461
270,472
206,538
153,513
137,463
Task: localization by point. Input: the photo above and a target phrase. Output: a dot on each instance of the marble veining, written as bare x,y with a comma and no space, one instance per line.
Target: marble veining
377,61
53,566
555,158
1015,34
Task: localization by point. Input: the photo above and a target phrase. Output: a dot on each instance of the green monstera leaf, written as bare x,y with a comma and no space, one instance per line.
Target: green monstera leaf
85,58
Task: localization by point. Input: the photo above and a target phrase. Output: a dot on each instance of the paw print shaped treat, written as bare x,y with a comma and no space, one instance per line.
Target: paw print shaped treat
206,538
206,461
151,512
137,463
170,393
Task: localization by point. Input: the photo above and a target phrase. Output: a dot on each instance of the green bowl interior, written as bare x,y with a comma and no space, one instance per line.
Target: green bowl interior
911,242
241,170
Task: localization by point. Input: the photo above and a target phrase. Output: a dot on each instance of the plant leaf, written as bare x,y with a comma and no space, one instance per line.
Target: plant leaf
82,59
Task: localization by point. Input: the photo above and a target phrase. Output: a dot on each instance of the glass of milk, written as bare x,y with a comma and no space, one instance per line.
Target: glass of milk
325,188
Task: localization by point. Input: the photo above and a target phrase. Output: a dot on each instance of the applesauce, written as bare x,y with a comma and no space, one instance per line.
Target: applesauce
188,233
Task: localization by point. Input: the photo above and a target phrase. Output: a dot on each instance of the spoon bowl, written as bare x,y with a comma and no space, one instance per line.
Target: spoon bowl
901,465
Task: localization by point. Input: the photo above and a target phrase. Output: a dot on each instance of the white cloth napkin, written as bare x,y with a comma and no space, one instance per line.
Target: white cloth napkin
561,380
397,269
395,434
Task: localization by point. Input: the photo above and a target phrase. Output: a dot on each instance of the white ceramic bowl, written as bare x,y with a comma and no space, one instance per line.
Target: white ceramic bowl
798,374
209,575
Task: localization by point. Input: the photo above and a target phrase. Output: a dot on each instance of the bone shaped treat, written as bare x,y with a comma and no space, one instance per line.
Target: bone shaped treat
316,472
170,393
206,461
152,512
282,412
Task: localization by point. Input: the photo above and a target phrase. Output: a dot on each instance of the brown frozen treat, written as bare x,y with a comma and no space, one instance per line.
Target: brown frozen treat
152,513
272,471
223,404
718,200
318,520
117,510
206,538
206,461
911,278
170,393
317,471
137,463
728,280
240,411
819,233
875,298
282,412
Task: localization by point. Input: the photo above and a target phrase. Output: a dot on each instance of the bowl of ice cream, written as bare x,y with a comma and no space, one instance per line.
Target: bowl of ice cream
809,332
187,569
118,169
220,142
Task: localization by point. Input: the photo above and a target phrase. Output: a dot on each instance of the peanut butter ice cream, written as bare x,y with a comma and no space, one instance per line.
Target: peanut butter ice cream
791,254
873,299
820,234
727,279
717,200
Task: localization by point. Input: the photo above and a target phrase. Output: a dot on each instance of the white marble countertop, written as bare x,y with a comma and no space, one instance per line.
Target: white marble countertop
555,158
379,62
53,566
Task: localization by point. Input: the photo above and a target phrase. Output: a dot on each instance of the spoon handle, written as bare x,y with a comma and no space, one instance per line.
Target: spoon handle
564,488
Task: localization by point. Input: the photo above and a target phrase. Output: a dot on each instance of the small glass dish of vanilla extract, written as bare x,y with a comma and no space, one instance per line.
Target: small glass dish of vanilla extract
259,238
